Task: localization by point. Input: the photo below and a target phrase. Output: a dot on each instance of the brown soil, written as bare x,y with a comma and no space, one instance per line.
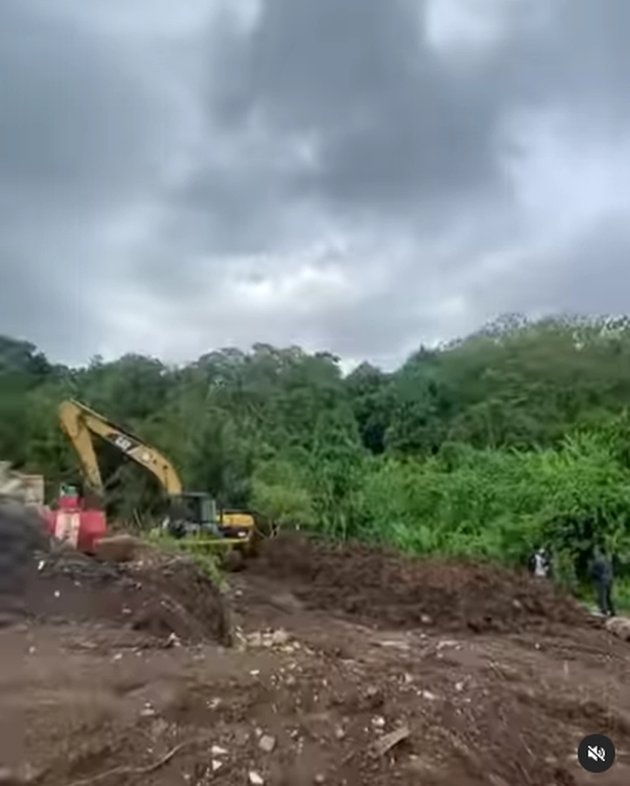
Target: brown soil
330,655
394,591
167,598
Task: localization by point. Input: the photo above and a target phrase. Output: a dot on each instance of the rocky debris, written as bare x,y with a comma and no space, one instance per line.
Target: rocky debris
619,626
117,548
269,639
267,743
388,741
22,536
24,775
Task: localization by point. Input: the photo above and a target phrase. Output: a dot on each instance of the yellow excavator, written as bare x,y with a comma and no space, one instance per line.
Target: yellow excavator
189,513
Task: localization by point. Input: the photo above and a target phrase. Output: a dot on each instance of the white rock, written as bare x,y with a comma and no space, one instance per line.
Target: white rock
217,750
255,779
279,637
216,765
267,743
173,640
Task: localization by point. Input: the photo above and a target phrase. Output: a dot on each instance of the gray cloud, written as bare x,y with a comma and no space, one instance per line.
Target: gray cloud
388,119
327,173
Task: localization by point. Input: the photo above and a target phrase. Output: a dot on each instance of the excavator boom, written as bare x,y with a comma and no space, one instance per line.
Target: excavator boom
191,512
80,423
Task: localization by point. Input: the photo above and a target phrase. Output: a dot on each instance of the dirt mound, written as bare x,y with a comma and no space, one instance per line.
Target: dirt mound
397,591
22,532
166,597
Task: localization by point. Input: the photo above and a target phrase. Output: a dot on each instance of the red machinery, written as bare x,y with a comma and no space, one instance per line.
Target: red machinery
74,524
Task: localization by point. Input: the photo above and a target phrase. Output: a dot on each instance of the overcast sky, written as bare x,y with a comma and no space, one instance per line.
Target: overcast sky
353,175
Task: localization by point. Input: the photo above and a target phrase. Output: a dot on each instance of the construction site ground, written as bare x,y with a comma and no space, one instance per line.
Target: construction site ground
314,666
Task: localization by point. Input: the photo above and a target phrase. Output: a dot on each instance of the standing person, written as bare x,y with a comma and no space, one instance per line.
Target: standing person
602,575
540,564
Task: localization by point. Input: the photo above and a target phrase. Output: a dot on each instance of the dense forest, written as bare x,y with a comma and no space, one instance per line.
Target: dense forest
489,445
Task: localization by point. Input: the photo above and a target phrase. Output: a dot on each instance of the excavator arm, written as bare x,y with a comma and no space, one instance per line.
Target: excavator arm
80,423
191,513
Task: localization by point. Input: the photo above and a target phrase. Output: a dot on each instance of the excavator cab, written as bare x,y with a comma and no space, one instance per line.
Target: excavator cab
195,513
192,513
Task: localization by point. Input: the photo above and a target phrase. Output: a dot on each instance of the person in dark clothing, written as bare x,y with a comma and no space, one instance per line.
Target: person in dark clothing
602,575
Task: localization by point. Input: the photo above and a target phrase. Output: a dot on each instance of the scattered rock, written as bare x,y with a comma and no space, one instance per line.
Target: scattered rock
619,626
497,780
426,694
255,779
426,620
173,640
217,750
116,548
23,775
216,765
320,778
279,637
267,743
388,741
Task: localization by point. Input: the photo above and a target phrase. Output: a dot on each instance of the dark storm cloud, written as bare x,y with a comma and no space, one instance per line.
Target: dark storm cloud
320,119
397,127
390,121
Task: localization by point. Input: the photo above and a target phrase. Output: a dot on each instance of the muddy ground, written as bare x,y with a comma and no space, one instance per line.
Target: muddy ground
300,672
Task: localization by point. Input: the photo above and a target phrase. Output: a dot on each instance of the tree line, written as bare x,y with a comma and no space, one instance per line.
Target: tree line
487,446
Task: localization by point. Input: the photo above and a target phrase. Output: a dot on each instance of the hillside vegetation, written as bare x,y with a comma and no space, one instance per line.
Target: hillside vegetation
486,446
